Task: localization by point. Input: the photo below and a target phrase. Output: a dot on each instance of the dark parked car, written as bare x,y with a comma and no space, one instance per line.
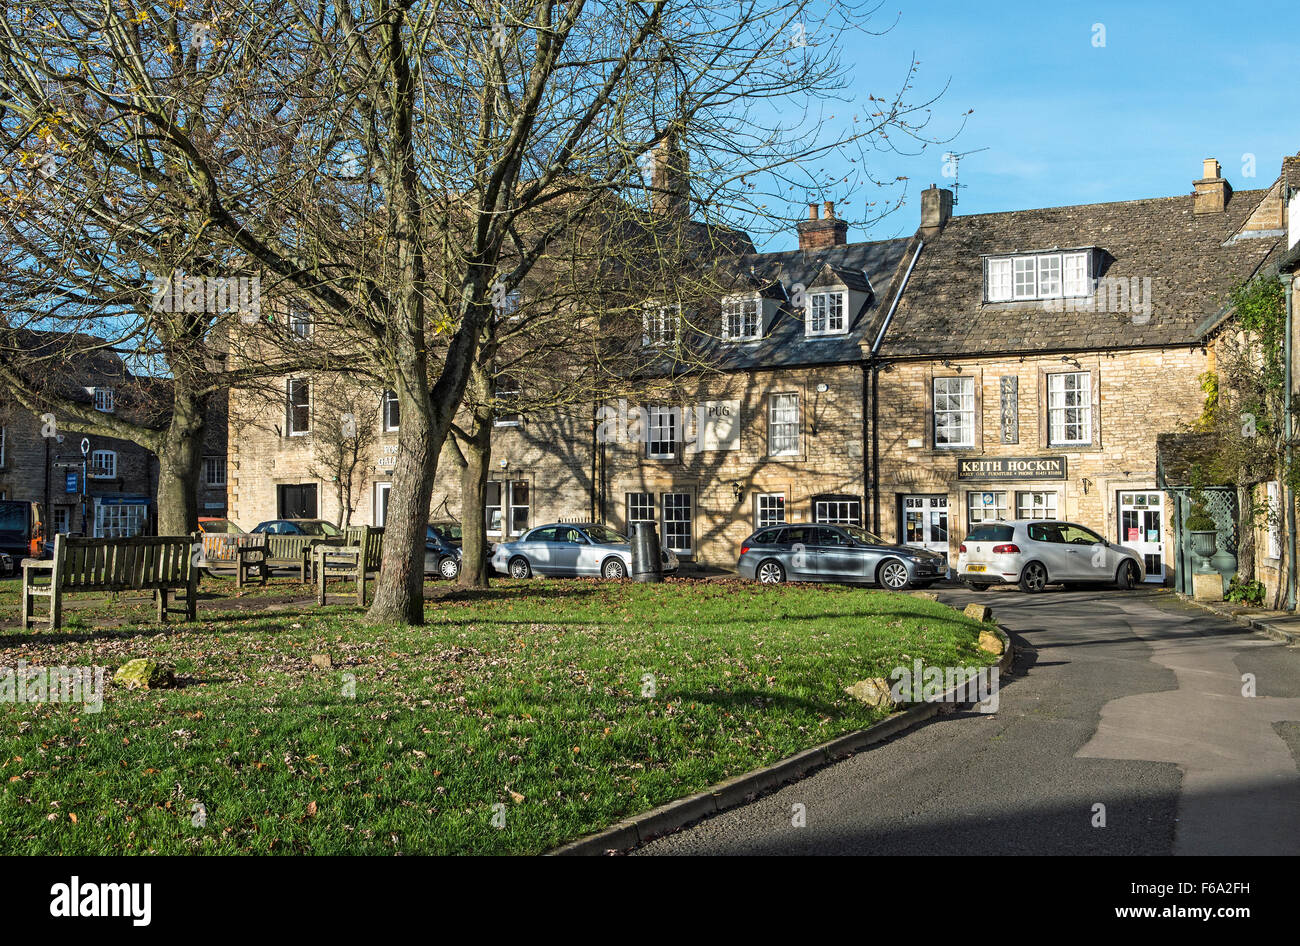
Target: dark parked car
840,553
22,532
298,527
442,550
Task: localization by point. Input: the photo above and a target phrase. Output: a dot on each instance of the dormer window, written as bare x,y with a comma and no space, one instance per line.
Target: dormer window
1036,276
826,313
104,402
742,318
660,325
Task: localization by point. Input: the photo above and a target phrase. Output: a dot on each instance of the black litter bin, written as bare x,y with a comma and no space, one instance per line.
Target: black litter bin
647,563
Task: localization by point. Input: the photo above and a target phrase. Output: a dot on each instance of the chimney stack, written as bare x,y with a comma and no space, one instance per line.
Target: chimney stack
818,233
670,179
936,210
1212,191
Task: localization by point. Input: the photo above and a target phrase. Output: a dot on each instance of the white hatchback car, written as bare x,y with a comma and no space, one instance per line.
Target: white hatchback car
1034,553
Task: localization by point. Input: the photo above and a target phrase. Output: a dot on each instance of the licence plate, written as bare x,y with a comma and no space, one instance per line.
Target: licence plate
975,568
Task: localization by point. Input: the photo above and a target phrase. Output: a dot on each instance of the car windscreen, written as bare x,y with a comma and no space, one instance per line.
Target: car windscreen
991,533
862,535
603,535
318,527
447,533
13,518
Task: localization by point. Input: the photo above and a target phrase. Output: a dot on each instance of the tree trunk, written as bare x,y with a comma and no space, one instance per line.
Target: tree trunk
474,571
1246,532
180,455
399,589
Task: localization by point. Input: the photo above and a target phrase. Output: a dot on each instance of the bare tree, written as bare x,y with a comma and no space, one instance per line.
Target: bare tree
345,432
396,162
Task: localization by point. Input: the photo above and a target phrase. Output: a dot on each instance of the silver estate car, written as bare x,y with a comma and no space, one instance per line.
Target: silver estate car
571,548
840,553
1034,553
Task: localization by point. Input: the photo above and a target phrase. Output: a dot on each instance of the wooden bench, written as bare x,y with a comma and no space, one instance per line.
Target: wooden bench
264,552
360,553
162,564
226,550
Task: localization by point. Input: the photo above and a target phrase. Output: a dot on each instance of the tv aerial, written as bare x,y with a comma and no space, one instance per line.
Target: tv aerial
951,161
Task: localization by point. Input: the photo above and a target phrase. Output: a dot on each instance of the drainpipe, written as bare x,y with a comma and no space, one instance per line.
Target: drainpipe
1287,281
875,387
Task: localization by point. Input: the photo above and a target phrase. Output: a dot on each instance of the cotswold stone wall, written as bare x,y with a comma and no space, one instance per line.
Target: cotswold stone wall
1135,395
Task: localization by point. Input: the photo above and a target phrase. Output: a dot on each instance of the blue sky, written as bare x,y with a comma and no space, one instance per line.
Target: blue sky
1067,122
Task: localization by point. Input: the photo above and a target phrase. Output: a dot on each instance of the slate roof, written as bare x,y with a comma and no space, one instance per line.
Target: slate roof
1191,270
869,267
1178,454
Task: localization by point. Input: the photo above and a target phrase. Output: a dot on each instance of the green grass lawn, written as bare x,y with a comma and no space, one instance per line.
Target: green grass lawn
567,705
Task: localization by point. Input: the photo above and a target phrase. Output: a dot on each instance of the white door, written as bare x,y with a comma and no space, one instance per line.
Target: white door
381,502
925,522
1142,528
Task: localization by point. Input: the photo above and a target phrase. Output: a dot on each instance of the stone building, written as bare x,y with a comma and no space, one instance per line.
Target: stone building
109,490
1036,354
990,366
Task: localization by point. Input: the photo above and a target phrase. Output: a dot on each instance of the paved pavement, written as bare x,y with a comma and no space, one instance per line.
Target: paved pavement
1129,700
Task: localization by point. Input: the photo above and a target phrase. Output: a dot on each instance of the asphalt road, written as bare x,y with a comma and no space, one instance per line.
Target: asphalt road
1129,700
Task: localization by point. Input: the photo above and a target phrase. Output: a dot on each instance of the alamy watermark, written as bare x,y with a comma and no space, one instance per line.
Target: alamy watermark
214,295
1110,294
24,684
917,684
626,423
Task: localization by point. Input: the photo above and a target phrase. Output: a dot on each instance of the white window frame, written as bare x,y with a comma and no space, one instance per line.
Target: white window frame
676,502
97,469
120,521
104,400
209,463
1059,405
964,412
300,324
64,513
783,424
658,420
289,428
1037,504
827,313
998,280
661,324
769,510
506,505
1031,276
977,512
507,418
833,511
389,397
744,313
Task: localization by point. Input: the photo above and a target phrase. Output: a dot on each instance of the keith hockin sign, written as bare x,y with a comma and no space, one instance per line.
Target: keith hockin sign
1012,468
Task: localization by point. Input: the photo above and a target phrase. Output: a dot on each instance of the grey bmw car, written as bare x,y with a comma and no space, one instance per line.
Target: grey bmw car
840,553
571,548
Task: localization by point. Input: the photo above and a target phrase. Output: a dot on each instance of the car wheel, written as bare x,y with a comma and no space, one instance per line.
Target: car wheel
519,568
1127,577
770,572
614,569
1034,578
449,568
892,574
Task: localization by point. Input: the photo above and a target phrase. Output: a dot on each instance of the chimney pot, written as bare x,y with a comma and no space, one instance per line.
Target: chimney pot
936,210
1211,191
817,233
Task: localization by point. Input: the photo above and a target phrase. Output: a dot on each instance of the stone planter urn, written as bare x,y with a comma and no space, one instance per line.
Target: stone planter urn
1204,545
